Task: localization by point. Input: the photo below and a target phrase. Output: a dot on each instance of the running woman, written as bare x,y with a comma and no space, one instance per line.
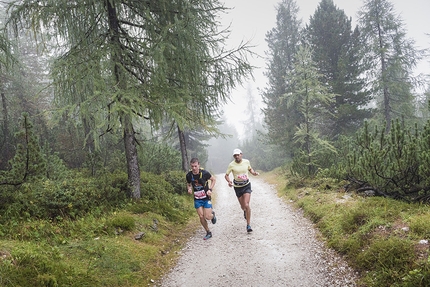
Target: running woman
241,184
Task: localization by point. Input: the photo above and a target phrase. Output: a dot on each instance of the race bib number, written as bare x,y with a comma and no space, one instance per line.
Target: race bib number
199,194
243,177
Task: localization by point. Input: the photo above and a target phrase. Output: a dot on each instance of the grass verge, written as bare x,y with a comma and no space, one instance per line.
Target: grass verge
384,239
124,248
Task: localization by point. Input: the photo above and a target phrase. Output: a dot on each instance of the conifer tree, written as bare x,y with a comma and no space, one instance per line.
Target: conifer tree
29,162
390,58
311,99
124,63
283,41
338,55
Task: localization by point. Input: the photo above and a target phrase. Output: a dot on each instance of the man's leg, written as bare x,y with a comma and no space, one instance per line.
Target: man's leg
200,212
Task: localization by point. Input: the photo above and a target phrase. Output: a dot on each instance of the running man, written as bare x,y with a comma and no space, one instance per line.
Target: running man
197,182
242,186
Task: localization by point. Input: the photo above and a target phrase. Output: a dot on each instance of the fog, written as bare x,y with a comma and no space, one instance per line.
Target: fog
250,20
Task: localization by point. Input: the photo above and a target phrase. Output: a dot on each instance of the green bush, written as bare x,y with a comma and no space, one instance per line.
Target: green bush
154,187
71,197
177,179
157,158
123,221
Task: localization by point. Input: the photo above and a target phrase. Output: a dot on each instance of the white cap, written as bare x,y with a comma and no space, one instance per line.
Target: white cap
237,151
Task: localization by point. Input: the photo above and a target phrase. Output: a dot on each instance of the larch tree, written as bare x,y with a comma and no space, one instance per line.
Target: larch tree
5,132
122,63
283,41
390,57
338,55
312,99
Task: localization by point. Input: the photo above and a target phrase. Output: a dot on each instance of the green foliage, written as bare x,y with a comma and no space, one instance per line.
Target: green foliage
420,225
71,197
393,164
281,119
263,156
82,227
386,259
378,236
419,277
154,187
41,265
190,74
337,52
424,156
390,57
55,167
160,196
29,162
310,97
157,158
123,221
88,253
177,179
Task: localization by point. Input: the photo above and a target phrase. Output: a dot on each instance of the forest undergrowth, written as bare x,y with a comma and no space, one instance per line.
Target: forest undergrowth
120,243
385,240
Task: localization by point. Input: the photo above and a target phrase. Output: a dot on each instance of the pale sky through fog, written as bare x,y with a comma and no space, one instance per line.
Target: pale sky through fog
252,19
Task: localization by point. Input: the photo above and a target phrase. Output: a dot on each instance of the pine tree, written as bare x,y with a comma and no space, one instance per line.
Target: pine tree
338,57
283,41
390,57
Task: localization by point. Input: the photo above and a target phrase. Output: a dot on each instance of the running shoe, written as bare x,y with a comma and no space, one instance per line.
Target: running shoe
213,220
248,228
208,235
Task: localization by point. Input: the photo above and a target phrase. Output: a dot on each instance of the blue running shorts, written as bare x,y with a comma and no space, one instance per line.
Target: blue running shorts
202,202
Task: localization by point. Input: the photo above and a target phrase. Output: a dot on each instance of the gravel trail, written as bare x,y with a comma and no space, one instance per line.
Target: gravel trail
283,250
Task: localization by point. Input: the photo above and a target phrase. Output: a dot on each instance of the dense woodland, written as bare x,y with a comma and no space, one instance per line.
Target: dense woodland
344,101
95,88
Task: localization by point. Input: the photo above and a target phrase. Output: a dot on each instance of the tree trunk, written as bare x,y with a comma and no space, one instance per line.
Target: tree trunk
131,155
387,108
183,149
126,120
5,151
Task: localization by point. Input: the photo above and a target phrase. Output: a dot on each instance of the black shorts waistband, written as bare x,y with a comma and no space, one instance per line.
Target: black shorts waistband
240,183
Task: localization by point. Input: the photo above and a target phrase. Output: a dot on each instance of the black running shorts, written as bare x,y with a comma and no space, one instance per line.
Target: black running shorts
242,189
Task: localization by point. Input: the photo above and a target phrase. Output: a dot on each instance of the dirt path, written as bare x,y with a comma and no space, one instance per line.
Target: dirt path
281,251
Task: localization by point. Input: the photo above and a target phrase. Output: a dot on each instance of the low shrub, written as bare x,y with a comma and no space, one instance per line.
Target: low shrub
177,179
378,236
122,221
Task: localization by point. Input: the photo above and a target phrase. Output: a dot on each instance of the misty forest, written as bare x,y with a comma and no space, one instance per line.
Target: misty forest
104,103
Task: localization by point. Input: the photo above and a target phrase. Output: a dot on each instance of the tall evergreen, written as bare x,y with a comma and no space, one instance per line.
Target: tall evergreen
338,57
29,162
391,58
311,99
283,41
123,63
